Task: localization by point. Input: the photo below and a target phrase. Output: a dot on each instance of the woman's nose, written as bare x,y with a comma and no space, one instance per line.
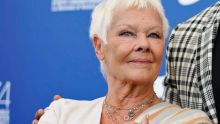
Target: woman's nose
142,45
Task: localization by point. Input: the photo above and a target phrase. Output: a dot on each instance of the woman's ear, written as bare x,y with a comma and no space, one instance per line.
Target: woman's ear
98,46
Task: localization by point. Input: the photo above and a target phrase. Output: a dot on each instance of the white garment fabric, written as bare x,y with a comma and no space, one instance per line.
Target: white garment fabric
66,111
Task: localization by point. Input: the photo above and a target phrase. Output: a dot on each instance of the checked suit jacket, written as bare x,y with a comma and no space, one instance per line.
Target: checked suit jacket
188,80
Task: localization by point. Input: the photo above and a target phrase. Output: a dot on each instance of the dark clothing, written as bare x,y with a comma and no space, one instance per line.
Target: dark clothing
216,73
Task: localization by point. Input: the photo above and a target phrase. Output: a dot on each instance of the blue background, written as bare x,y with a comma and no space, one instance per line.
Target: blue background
43,53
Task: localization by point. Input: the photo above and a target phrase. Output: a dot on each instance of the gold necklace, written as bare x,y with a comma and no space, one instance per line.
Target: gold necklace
132,112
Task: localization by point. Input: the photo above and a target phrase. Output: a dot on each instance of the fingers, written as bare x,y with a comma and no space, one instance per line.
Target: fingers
145,120
38,114
57,97
34,121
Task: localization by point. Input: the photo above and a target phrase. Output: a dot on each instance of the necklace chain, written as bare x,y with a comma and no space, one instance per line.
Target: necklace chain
131,112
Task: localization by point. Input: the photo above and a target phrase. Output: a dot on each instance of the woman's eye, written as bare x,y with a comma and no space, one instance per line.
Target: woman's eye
126,33
154,35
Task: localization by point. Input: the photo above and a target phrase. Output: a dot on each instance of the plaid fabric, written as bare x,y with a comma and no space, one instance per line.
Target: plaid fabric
188,80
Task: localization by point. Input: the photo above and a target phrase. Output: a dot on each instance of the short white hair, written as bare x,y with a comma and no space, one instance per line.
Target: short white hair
103,13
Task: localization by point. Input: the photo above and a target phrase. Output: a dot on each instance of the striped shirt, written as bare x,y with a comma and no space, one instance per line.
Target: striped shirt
166,113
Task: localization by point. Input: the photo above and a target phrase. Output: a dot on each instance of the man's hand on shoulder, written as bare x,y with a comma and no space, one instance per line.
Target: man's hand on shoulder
40,112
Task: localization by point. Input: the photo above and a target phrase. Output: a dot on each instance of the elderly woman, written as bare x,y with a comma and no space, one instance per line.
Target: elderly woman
128,37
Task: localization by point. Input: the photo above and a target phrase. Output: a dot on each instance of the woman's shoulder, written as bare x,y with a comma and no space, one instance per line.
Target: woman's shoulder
65,103
166,113
69,111
173,113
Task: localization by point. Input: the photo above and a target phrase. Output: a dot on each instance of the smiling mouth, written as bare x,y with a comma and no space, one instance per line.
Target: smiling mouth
141,61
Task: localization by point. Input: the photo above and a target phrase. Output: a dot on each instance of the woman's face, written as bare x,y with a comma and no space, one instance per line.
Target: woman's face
135,45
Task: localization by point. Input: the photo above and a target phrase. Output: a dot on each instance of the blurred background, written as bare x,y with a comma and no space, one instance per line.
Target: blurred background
45,50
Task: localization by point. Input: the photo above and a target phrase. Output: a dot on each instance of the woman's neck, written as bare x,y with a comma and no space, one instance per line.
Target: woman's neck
126,101
128,94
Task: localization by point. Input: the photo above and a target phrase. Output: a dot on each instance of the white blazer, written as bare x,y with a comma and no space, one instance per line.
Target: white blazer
67,111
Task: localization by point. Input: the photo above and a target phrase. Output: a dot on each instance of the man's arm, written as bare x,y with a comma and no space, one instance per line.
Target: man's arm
171,92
